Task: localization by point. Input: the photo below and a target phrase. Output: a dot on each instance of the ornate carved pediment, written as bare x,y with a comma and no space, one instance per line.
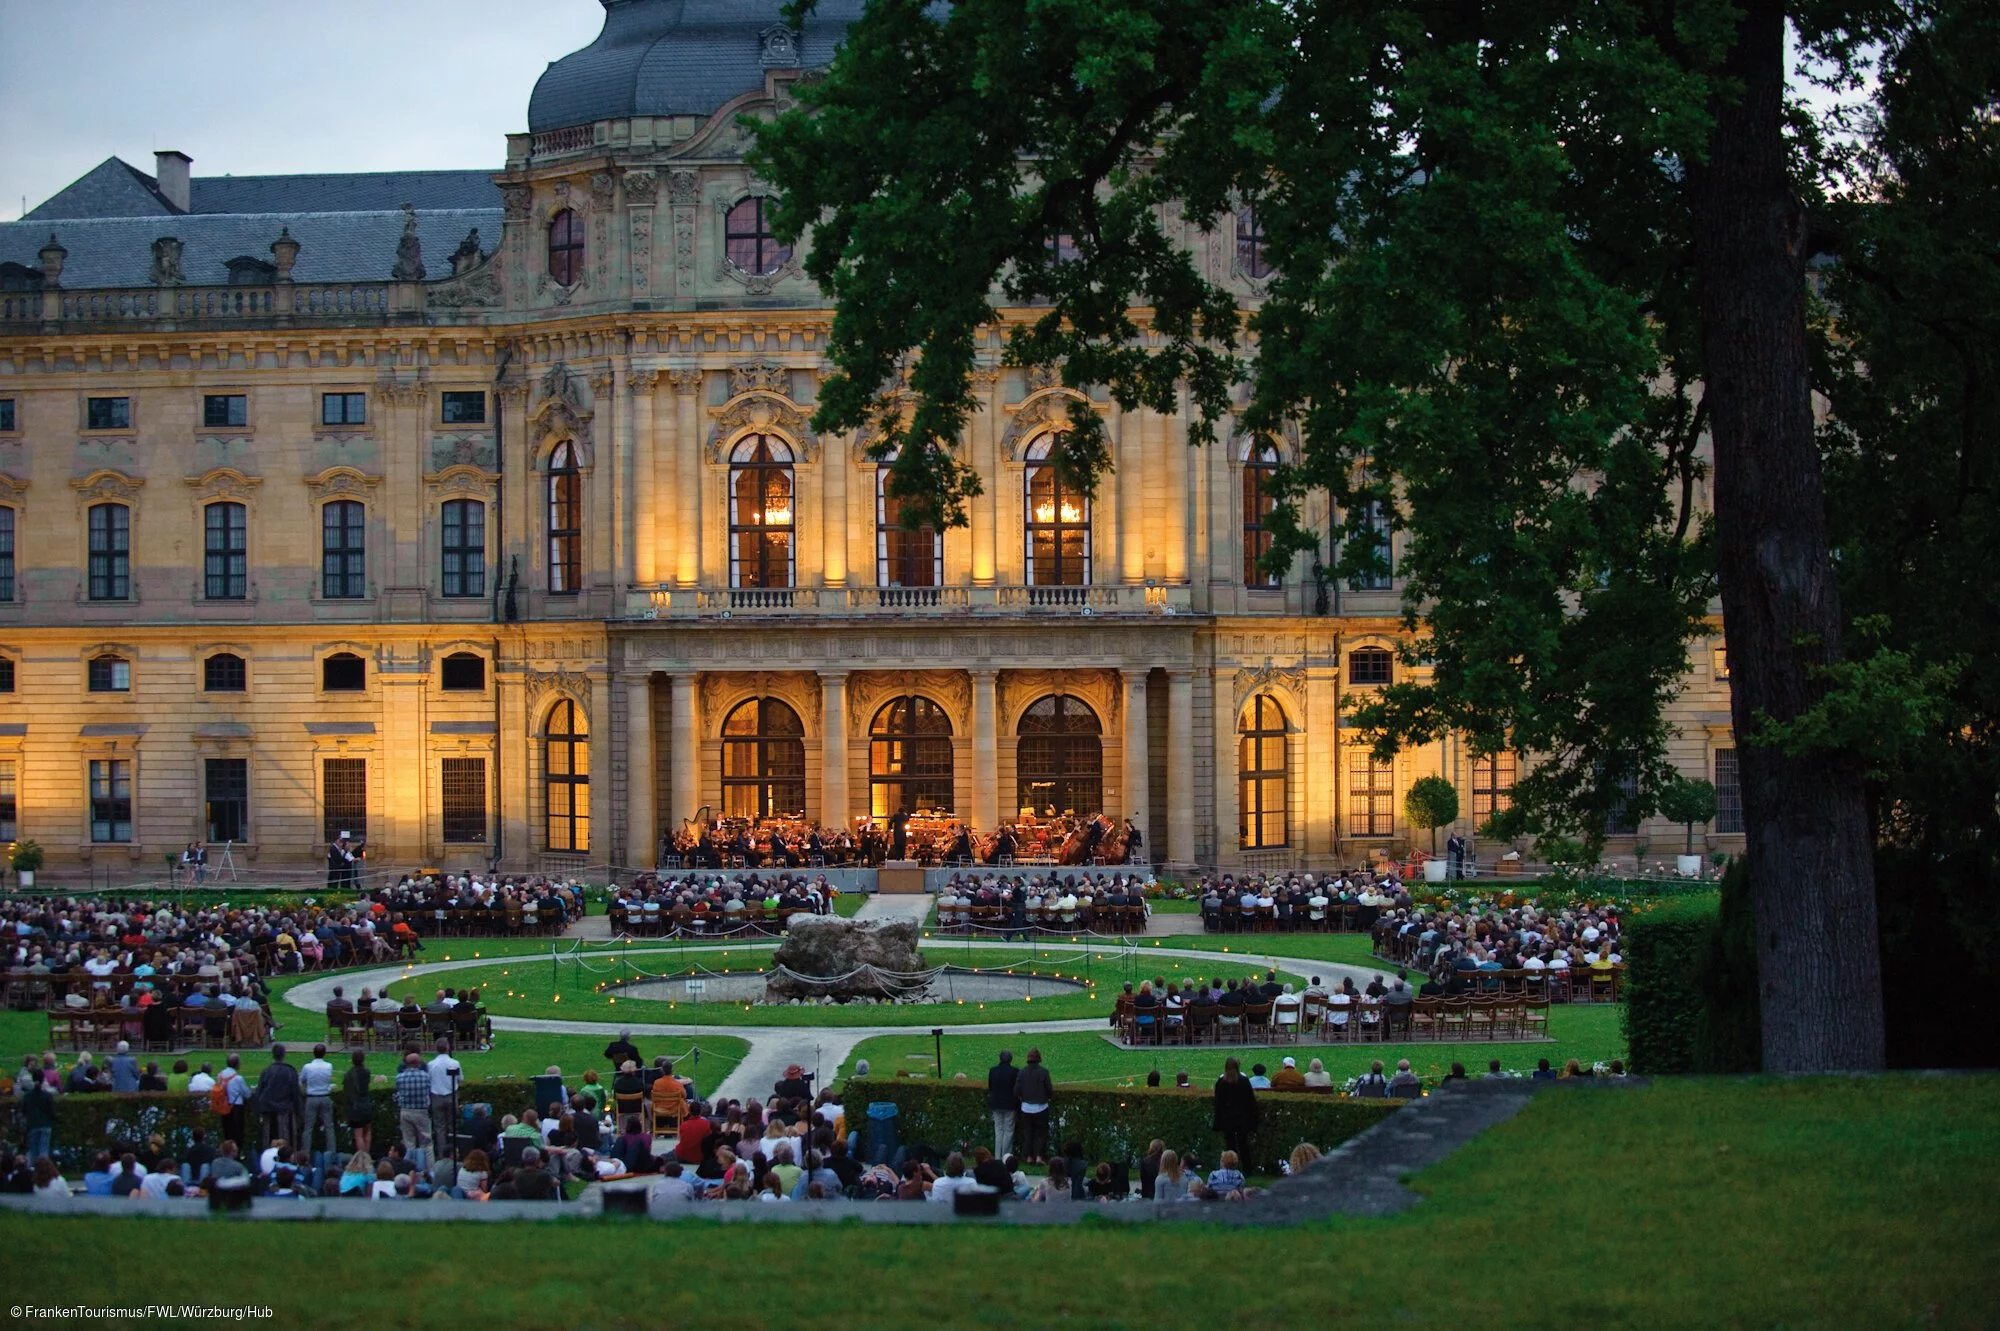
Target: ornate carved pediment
224,483
104,484
341,483
766,376
561,409
1049,410
754,412
463,481
1287,680
541,683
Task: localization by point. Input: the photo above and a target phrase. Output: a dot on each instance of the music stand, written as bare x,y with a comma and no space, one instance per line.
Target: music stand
227,861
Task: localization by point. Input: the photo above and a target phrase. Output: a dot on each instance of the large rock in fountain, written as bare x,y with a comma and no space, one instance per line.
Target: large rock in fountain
826,946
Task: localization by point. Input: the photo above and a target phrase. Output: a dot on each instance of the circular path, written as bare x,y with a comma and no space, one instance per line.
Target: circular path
775,1045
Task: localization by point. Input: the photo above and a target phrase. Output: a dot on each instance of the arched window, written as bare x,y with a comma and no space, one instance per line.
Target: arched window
763,761
904,557
747,239
1058,524
1250,260
566,778
565,522
566,247
110,552
1059,761
760,513
224,672
1371,665
110,674
226,552
909,758
1260,471
343,562
1260,769
343,672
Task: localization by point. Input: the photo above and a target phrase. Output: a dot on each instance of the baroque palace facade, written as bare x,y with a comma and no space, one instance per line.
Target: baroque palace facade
529,552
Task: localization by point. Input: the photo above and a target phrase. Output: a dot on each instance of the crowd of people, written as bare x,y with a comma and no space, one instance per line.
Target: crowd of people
711,899
550,901
1450,945
1017,902
1293,901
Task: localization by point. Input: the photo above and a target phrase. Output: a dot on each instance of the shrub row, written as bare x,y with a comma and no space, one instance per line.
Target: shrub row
1691,983
1115,1124
86,1124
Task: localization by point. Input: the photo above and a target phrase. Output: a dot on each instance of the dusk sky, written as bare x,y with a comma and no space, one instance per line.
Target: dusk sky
247,87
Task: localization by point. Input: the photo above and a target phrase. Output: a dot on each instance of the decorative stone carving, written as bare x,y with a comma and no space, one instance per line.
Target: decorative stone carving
106,484
685,382
402,393
462,480
516,200
868,692
1048,411
341,483
409,265
767,376
12,487
468,255
1019,689
285,252
512,392
167,262
603,187
683,185
643,383
846,951
641,186
722,691
1289,680
1041,378
762,411
562,411
467,450
224,483
477,287
641,223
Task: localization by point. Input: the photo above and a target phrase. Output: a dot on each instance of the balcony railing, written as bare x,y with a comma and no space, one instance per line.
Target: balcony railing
199,305
709,602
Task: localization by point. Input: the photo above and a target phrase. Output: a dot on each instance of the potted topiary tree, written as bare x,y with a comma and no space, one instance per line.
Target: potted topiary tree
1432,803
1688,802
27,859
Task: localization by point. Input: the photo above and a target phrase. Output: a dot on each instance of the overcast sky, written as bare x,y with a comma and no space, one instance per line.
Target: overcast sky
252,87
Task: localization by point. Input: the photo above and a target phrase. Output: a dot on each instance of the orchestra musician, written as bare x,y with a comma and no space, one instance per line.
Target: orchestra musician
1003,845
899,835
960,851
1135,843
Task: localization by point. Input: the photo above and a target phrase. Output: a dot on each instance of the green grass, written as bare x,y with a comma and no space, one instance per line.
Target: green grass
1698,1203
532,988
1588,1033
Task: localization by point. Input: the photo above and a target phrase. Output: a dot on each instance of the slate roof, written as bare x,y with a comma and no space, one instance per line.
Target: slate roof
116,188
675,57
334,246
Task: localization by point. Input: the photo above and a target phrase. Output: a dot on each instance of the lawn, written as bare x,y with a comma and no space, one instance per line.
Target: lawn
536,988
1586,1032
1697,1203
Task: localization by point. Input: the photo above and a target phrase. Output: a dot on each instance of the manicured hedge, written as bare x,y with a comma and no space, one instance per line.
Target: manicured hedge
86,1124
1115,1125
1691,983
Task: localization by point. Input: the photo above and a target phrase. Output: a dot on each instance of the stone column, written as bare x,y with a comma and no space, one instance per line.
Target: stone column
1131,460
833,809
1180,498
686,756
607,541
1135,777
984,515
833,503
641,849
646,524
1228,836
985,754
1180,767
687,500
601,818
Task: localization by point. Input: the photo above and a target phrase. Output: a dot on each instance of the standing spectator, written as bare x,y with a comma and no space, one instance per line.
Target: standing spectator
1034,1091
38,1107
124,1069
279,1103
359,1104
413,1106
444,1073
1001,1083
235,1099
316,1082
1235,1108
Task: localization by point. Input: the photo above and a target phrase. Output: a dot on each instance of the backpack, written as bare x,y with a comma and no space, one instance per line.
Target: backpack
218,1094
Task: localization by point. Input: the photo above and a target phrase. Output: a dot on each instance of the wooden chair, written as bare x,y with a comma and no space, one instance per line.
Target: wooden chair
1229,1022
1455,1016
1200,1024
62,1031
1535,1018
669,1104
1480,1022
1286,1020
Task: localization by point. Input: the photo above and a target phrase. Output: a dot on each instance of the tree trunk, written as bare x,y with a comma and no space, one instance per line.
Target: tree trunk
1818,967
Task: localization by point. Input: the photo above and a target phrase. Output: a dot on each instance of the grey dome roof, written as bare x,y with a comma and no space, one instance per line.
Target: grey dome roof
677,57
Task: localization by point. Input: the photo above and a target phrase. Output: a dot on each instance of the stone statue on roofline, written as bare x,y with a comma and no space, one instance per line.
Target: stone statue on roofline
409,250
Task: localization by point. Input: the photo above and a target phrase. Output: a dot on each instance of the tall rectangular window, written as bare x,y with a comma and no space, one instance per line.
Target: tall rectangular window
7,418
464,799
461,408
225,411
343,550
226,552
343,408
110,552
1623,820
6,554
343,787
1371,795
1728,794
107,413
6,674
1492,786
1373,537
565,521
10,826
464,552
903,557
111,799
226,786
